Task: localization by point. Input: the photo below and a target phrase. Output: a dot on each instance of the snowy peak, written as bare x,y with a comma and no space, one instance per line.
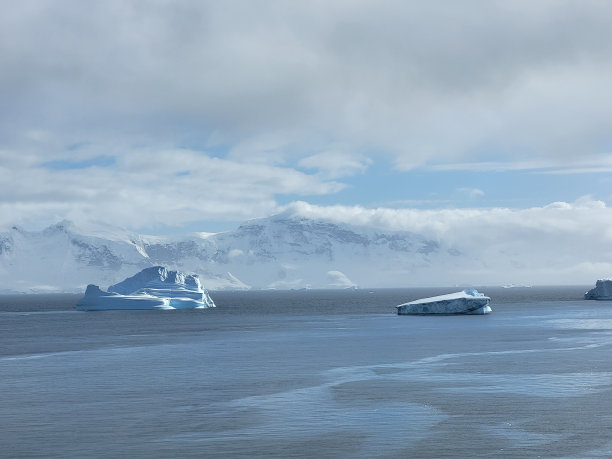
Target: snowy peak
284,234
283,251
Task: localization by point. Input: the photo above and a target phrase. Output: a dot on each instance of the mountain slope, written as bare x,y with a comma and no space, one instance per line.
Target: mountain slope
283,251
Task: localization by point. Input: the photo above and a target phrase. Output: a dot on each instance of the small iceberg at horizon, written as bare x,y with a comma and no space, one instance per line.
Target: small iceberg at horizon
469,301
602,291
152,288
516,286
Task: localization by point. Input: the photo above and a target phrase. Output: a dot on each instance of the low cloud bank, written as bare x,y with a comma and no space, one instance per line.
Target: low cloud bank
569,243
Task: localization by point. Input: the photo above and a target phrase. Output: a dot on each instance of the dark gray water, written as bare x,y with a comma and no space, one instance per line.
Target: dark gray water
308,374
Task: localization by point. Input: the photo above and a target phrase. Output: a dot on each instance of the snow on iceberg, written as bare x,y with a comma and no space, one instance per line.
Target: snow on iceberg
151,288
468,301
602,290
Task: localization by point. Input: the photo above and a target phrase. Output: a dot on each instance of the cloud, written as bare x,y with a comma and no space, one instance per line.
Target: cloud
101,161
418,82
599,163
165,111
471,192
148,188
558,243
472,223
336,164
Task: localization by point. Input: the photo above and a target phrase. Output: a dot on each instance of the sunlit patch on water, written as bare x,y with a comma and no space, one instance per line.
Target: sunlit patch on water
518,436
313,411
542,385
583,324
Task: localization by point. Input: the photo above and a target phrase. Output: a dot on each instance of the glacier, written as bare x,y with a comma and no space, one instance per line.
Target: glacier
602,290
152,288
468,301
285,251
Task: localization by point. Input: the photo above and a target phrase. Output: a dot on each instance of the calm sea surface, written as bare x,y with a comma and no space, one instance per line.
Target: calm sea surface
308,374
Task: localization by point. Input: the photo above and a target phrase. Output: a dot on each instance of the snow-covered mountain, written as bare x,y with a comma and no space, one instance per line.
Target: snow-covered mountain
283,251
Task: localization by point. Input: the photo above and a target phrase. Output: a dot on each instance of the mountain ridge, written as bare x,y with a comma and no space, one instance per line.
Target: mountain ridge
282,251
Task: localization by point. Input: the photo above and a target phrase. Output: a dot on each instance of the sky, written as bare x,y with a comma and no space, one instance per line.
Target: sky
167,117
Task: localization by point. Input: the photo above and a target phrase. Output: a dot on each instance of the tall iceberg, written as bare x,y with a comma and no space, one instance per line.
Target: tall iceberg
468,301
151,288
602,290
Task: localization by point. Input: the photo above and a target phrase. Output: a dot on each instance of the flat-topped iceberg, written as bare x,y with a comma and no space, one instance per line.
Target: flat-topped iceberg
151,288
468,301
602,290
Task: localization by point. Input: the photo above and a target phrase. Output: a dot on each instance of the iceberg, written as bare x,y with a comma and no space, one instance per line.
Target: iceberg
602,290
151,288
468,301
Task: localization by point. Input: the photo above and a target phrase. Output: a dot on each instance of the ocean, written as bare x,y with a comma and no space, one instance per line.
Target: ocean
308,374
